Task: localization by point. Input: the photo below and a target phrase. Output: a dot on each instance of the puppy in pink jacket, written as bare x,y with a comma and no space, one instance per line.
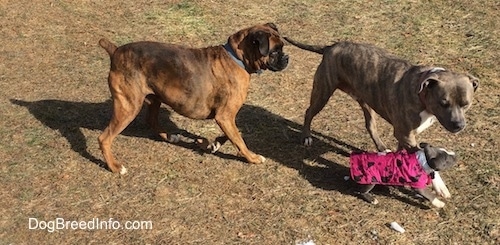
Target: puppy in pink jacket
415,170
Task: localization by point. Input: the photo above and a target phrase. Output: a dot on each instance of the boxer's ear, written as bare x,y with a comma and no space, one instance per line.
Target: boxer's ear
262,39
474,80
272,26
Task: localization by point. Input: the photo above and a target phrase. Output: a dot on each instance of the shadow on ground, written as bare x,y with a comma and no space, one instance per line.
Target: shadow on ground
264,132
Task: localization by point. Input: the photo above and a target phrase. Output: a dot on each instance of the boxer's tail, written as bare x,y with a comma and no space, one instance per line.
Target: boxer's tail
313,48
108,46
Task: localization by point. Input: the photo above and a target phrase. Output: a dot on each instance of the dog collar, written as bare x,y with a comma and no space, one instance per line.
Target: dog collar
422,160
231,53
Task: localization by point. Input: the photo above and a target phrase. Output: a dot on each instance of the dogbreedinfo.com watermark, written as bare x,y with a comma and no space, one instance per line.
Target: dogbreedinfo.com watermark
93,224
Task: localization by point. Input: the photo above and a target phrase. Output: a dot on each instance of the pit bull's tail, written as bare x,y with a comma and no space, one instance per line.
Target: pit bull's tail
313,48
108,46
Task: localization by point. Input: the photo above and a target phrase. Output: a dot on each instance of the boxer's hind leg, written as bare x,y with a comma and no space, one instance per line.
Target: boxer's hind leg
127,102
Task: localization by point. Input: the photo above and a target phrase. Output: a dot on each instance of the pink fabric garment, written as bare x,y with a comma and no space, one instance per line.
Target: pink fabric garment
392,168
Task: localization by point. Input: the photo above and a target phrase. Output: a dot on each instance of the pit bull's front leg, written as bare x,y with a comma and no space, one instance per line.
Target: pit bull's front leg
439,186
427,194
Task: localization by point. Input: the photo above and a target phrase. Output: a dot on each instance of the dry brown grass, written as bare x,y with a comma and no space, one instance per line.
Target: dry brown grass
55,102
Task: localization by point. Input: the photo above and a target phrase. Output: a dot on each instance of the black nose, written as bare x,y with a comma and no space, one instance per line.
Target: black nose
457,126
284,60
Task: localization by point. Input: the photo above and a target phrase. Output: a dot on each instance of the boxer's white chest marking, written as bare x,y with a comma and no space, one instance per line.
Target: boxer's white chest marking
426,120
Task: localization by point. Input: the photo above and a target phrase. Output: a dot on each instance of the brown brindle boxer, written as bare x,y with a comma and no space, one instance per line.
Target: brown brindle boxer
206,83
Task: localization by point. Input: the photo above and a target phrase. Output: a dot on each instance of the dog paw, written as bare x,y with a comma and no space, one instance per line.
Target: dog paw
254,158
204,144
123,170
262,159
437,203
308,141
445,194
214,147
174,138
439,186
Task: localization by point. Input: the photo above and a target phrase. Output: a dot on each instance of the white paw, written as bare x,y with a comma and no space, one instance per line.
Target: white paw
308,141
262,159
437,203
123,170
174,138
439,186
383,153
214,147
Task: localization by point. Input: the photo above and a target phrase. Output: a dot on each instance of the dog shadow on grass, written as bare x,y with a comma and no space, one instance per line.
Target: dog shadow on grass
279,139
69,117
264,132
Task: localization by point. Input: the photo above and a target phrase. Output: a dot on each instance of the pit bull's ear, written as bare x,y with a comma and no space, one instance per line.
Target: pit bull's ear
262,39
428,82
430,152
474,80
429,78
272,26
423,145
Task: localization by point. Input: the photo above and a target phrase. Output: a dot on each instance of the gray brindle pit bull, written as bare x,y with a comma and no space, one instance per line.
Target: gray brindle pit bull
409,97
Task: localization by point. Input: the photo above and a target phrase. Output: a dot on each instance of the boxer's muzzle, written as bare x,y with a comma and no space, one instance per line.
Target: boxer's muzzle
277,61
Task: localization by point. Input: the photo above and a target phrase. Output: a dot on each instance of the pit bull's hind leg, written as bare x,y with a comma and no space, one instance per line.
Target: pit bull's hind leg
321,92
371,125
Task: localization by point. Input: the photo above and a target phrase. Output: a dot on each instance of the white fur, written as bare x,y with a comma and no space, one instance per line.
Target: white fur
437,203
262,159
174,138
308,141
439,186
215,147
436,69
451,153
426,120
